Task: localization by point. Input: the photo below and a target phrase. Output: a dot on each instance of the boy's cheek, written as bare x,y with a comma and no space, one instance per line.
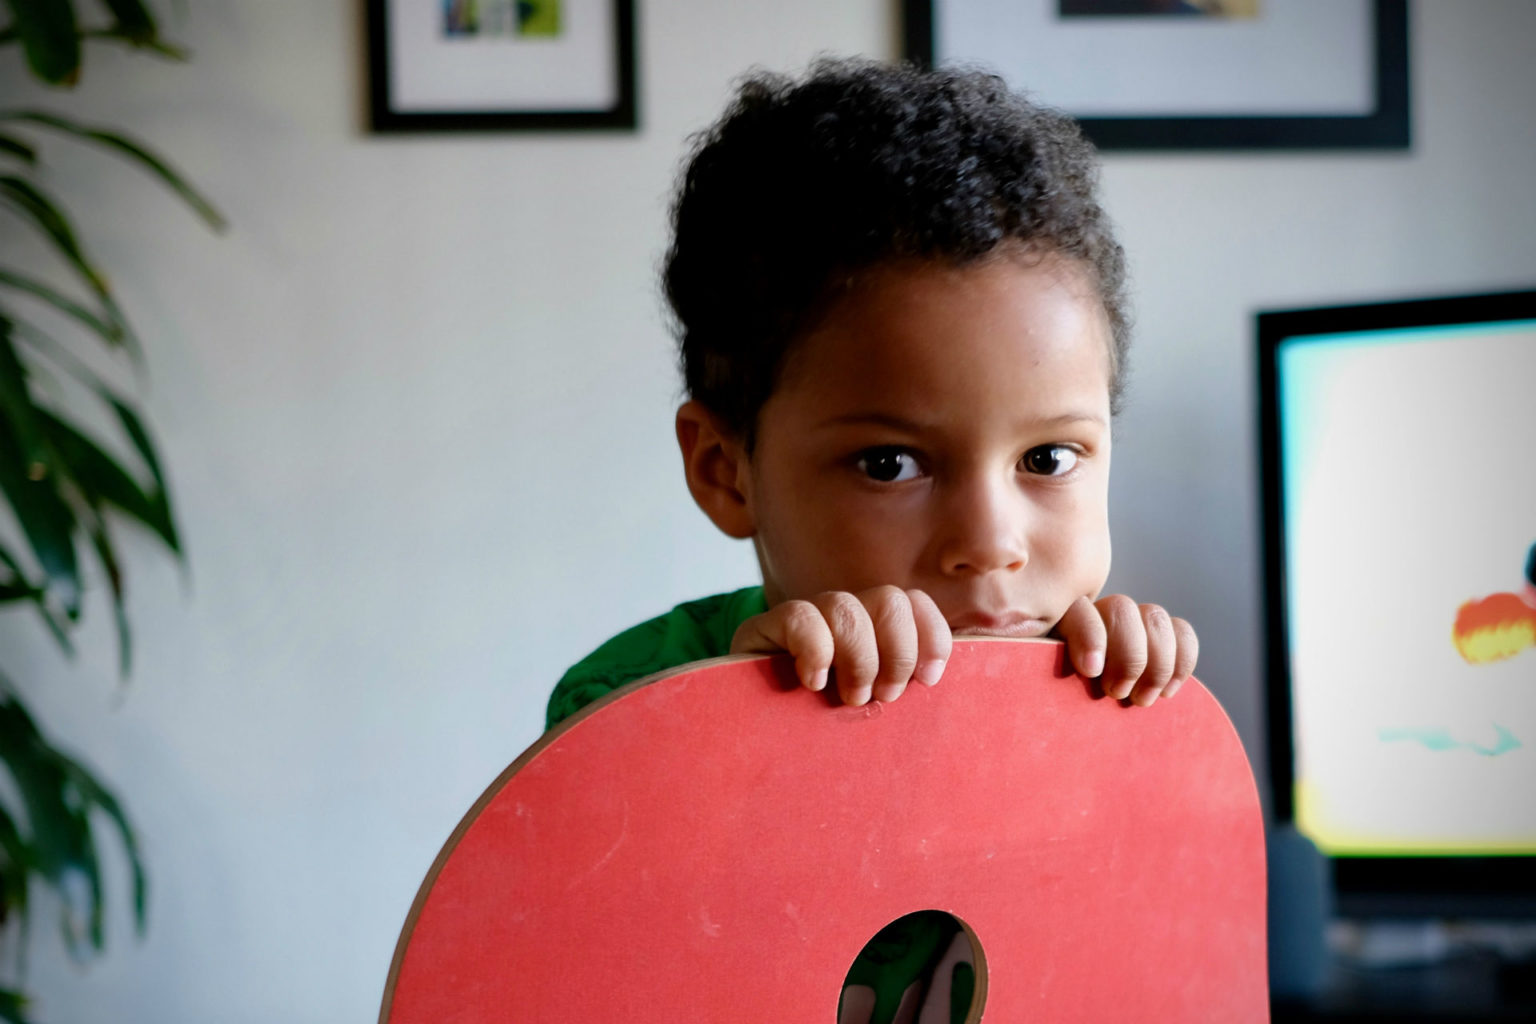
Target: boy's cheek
1097,561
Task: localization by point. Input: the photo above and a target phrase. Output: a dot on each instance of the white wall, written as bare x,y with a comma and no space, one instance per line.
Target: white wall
417,412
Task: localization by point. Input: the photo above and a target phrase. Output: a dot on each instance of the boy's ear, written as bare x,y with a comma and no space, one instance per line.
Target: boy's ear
715,463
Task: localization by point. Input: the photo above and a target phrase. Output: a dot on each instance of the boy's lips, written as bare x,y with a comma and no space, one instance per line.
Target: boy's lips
978,624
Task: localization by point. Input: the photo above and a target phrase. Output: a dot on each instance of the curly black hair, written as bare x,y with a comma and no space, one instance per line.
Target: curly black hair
801,184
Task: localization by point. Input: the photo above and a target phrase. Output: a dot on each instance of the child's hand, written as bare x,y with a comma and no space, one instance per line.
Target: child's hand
1135,651
878,640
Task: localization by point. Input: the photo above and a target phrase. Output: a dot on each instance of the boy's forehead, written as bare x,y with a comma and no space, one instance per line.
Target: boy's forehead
915,331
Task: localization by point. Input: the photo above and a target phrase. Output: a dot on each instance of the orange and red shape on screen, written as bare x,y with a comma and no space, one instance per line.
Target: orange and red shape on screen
1500,625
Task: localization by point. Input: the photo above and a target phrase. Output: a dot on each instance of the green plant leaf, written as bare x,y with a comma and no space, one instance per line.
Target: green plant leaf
45,518
124,490
48,34
144,446
12,146
156,45
101,480
132,426
11,565
15,866
40,341
113,333
94,793
133,19
29,475
17,592
46,215
39,597
61,846
13,1007
136,25
60,796
16,405
131,149
106,552
35,206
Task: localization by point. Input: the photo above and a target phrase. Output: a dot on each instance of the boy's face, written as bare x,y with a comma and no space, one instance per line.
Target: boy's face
946,430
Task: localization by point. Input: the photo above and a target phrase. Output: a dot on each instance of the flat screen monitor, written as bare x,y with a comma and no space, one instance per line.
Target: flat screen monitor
1399,500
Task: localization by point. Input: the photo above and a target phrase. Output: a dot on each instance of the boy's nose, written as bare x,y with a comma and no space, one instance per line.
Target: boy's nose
985,531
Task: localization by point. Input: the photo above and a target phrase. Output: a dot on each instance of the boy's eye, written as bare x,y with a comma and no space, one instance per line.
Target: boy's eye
1049,460
888,465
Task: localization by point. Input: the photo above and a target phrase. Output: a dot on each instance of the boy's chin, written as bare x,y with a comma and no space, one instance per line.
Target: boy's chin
1017,629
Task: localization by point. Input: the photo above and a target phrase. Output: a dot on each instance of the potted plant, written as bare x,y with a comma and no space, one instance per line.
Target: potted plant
64,487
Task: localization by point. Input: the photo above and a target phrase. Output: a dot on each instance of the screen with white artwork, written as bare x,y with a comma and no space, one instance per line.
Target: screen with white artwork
1400,499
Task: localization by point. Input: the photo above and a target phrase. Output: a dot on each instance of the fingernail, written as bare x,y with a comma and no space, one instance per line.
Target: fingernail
858,698
818,681
928,672
1093,664
1172,687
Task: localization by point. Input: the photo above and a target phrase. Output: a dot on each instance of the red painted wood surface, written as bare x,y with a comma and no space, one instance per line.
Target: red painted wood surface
707,846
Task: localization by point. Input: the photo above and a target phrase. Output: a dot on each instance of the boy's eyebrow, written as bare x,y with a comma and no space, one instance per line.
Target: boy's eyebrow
1066,419
895,422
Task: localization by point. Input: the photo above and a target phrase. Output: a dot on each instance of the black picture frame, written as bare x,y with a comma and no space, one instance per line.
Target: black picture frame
1385,127
385,114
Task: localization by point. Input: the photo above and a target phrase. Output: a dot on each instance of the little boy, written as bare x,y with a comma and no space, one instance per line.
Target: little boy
903,331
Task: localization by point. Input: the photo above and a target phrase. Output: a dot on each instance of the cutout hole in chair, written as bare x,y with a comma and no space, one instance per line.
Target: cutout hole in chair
934,947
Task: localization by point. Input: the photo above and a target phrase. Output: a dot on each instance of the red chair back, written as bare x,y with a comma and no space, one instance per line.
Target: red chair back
707,846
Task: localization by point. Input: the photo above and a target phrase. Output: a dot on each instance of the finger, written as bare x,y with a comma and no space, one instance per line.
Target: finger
890,612
1162,650
1125,656
934,639
795,627
1189,653
855,656
1082,627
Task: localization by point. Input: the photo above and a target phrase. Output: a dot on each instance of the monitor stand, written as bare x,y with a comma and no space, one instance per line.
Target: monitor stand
1422,971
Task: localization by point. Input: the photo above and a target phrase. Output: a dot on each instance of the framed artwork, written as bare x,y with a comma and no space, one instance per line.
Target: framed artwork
1191,74
491,65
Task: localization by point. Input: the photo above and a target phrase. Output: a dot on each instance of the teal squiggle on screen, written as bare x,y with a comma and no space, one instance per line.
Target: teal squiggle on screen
1440,740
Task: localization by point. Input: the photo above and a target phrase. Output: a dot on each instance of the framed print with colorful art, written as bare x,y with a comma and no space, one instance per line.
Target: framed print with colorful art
488,65
1191,74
